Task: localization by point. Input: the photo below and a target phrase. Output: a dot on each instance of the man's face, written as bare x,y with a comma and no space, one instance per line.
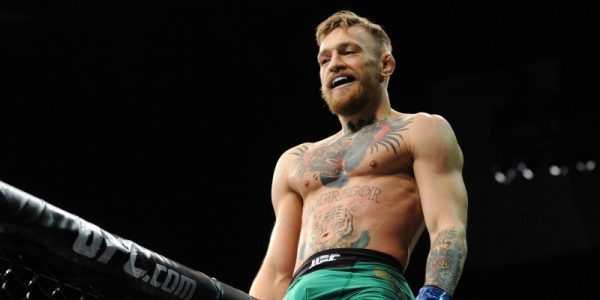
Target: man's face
350,70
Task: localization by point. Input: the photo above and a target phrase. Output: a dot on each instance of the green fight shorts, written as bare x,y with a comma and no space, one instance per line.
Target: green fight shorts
349,274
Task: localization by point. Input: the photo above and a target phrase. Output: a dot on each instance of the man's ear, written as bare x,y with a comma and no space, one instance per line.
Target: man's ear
388,64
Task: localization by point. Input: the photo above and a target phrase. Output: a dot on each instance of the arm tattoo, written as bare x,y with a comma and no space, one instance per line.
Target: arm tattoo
445,261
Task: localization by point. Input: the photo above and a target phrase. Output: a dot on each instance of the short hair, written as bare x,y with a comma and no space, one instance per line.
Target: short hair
346,19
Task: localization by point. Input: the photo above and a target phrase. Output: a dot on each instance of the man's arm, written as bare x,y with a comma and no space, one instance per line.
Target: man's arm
275,273
438,170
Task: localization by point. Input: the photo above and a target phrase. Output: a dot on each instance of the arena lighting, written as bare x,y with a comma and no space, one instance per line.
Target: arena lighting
582,166
507,174
500,177
526,172
504,176
554,170
590,165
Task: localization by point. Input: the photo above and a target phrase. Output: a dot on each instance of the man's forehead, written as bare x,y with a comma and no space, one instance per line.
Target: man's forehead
352,35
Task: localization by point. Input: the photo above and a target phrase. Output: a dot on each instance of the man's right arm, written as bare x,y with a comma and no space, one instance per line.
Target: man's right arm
275,273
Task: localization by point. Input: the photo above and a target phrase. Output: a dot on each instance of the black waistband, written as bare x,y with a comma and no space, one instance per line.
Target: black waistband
344,257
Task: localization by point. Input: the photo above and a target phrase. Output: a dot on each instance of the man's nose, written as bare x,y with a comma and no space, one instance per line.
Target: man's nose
336,63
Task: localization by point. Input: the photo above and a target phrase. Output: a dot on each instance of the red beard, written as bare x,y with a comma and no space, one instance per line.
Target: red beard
350,100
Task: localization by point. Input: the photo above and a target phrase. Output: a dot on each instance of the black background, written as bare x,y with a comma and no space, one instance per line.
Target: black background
161,122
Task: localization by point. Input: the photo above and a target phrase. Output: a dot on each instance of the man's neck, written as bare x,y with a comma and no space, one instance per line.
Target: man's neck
354,126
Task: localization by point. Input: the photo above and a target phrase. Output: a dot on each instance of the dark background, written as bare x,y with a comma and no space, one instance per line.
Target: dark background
161,122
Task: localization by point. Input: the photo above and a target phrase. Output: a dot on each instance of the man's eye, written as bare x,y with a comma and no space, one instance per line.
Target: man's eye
324,61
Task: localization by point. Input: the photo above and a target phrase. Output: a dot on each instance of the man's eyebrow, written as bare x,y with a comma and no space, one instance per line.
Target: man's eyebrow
323,53
346,44
341,45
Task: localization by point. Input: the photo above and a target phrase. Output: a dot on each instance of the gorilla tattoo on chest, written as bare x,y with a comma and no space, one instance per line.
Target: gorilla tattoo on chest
331,162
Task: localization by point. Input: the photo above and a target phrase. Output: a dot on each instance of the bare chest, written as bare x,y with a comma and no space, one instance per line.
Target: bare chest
376,150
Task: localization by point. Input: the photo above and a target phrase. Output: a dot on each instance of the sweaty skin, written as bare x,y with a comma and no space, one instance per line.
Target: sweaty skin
359,191
376,184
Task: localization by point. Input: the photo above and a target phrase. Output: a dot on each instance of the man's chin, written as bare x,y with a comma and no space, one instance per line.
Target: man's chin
338,96
344,107
336,103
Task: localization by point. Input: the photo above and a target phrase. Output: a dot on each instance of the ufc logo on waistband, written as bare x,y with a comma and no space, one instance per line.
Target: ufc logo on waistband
323,258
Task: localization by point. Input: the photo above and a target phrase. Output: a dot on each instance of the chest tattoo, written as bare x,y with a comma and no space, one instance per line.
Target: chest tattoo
331,162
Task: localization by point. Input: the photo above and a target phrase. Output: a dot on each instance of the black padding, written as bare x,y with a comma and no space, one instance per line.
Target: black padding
69,237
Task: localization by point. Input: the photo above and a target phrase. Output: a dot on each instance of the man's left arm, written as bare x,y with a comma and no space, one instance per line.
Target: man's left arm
438,163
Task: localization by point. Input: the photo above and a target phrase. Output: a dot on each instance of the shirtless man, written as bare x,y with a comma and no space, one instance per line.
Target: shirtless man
350,208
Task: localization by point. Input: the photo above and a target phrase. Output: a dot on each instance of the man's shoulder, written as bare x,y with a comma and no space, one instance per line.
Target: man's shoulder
294,152
421,117
299,148
424,122
425,129
305,146
431,133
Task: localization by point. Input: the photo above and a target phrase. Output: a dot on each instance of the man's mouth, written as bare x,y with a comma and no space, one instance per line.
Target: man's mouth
341,80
